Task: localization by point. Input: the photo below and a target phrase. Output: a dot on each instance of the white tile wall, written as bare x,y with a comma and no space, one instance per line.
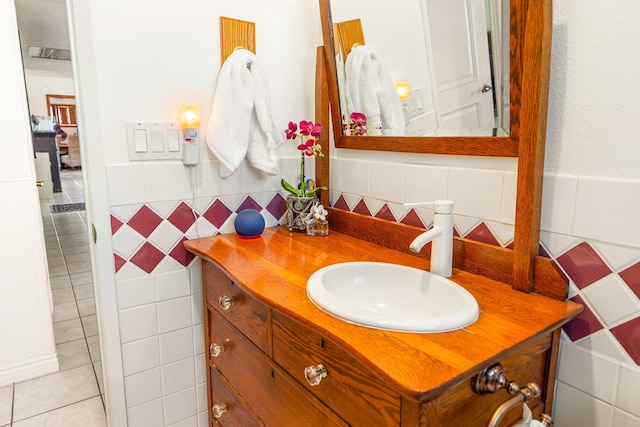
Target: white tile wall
177,345
126,184
588,372
180,405
141,355
477,192
608,210
174,314
143,387
146,415
425,183
355,177
572,407
558,203
628,398
178,376
387,182
138,322
612,299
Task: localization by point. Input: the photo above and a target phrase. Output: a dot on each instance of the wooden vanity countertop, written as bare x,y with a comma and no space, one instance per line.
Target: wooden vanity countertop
275,267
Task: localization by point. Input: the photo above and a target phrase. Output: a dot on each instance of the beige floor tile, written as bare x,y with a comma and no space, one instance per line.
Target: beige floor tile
86,307
87,413
60,282
57,270
65,311
68,330
94,348
62,295
82,257
6,403
54,391
97,367
55,261
79,267
73,354
83,291
90,325
79,279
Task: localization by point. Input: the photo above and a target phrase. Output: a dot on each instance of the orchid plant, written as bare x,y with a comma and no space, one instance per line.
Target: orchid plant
308,133
357,125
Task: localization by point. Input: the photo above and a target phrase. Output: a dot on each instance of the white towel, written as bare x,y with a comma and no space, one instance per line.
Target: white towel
371,91
241,124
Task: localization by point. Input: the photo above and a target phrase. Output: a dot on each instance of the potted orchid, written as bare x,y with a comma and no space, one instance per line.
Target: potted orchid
303,196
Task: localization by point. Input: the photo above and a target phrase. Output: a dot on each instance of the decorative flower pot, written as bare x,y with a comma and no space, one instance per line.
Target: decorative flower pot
297,210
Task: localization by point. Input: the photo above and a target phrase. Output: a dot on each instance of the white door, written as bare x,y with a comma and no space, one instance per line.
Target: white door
458,32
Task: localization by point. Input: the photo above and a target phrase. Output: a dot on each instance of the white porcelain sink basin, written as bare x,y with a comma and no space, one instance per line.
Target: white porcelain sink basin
392,297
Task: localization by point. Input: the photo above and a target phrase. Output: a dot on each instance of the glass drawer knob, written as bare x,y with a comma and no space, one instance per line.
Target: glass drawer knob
216,349
225,302
218,410
315,374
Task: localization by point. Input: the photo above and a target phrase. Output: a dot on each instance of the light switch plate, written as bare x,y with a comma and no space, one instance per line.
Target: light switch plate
161,141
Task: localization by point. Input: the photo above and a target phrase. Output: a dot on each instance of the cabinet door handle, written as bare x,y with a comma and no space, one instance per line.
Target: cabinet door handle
218,410
215,349
226,302
315,374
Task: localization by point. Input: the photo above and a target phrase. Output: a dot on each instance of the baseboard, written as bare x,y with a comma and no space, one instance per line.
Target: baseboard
32,368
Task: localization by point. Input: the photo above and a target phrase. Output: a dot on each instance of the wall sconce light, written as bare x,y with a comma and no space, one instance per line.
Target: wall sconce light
402,88
190,122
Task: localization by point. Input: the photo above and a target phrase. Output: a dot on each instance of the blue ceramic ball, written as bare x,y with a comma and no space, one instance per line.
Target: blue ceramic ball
249,223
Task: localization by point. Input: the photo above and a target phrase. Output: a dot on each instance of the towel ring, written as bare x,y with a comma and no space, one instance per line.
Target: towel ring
355,45
238,48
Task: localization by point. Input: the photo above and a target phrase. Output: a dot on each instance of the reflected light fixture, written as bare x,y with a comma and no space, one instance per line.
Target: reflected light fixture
402,88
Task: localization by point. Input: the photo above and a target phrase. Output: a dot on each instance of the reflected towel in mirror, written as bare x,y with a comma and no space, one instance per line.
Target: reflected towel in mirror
241,124
371,91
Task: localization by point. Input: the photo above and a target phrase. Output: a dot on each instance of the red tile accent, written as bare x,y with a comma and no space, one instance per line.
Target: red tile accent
412,218
118,261
631,277
585,324
362,208
481,233
628,334
249,203
145,221
385,213
277,206
341,203
182,217
217,213
147,257
583,265
180,254
115,224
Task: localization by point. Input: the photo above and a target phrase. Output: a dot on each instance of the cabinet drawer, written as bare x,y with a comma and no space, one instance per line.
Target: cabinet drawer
349,388
247,313
275,399
236,415
460,406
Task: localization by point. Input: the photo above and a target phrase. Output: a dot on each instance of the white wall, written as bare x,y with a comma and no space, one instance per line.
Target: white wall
42,83
27,346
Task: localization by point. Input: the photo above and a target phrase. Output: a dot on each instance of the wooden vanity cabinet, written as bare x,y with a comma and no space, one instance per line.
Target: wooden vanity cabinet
259,373
243,377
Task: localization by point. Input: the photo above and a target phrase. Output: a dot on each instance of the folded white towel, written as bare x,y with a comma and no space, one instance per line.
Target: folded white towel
240,124
371,91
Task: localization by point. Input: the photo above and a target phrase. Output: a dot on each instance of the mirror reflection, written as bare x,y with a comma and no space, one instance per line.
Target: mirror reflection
423,67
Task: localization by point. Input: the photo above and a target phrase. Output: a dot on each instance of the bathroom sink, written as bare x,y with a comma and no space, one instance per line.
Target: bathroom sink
392,297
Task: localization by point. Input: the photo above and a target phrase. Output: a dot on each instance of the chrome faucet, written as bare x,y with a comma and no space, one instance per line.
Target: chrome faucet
440,236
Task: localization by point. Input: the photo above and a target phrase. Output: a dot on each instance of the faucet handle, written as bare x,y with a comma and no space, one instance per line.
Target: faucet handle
440,206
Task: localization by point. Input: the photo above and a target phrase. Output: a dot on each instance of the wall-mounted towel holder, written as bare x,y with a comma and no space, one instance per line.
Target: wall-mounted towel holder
492,379
236,34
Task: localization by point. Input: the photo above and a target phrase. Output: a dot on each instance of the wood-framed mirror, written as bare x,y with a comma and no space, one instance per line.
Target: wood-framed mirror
530,53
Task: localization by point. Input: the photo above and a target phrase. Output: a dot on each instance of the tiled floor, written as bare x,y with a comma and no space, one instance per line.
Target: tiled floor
72,396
